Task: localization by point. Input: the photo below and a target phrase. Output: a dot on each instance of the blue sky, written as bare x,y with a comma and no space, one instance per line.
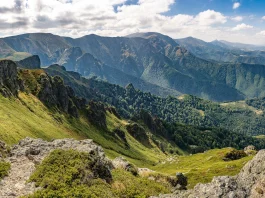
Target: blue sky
232,20
193,7
247,7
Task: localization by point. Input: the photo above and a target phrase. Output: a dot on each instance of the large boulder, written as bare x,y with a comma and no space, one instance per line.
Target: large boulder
122,163
250,150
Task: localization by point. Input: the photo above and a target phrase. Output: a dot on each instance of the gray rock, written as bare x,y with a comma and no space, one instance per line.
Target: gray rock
250,150
122,163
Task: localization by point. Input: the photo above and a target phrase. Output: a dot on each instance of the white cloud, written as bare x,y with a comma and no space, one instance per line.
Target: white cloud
237,18
242,26
263,18
210,17
262,33
236,5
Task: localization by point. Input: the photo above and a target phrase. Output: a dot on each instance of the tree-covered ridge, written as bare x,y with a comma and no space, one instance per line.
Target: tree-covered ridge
258,103
186,109
191,138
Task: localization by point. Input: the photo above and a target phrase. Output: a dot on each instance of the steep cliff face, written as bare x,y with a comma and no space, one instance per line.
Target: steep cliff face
32,62
9,83
50,90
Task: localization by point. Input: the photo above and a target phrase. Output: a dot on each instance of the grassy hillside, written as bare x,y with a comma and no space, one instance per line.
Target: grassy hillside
17,56
28,117
202,167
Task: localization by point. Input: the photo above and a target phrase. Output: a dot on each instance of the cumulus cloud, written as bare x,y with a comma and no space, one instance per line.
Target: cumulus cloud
242,26
210,17
263,18
77,18
236,5
237,18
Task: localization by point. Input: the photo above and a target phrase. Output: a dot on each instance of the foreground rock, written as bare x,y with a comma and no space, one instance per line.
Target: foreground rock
249,183
122,163
30,152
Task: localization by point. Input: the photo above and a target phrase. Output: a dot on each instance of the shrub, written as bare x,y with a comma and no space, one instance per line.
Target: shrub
71,174
234,155
80,175
4,168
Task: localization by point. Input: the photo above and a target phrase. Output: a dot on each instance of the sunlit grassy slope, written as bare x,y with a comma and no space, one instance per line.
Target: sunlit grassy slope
202,167
28,117
16,56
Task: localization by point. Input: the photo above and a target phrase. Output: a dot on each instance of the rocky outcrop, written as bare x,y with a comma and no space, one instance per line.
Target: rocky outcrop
9,83
249,183
139,133
122,163
54,93
50,90
179,182
250,150
96,114
30,152
32,62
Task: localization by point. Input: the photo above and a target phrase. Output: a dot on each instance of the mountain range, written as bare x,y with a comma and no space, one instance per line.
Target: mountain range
150,61
223,51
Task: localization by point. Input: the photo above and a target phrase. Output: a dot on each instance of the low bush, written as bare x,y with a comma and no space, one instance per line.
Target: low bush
234,155
4,168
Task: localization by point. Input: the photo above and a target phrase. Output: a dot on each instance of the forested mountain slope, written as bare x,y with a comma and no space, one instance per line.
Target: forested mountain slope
237,116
